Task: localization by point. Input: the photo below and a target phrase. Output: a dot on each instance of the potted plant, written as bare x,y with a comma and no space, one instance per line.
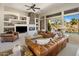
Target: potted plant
49,26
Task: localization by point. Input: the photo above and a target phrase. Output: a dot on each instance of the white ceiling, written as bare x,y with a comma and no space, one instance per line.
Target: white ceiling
20,6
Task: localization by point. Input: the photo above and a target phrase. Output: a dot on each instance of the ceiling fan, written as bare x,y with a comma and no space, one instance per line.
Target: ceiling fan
32,7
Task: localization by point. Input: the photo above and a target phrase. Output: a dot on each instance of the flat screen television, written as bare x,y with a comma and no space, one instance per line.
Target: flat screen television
21,29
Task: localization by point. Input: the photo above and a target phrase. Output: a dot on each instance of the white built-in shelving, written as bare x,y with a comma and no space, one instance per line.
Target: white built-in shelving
37,24
11,20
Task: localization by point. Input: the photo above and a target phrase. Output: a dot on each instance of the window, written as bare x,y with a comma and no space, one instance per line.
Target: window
56,22
71,23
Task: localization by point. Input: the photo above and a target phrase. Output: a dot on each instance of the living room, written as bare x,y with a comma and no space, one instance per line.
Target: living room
29,29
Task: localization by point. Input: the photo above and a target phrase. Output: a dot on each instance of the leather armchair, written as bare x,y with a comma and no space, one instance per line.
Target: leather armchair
9,37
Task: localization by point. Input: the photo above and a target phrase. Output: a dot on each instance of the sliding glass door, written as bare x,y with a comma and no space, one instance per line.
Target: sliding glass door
56,22
71,23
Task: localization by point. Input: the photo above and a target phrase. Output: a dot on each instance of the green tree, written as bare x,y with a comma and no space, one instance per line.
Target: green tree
49,26
73,21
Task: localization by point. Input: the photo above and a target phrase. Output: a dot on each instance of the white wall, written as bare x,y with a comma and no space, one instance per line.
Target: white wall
1,18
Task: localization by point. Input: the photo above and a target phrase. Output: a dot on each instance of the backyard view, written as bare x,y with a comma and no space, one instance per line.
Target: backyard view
71,23
56,23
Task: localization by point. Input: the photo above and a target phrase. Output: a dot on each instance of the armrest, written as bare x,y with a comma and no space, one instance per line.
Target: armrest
7,35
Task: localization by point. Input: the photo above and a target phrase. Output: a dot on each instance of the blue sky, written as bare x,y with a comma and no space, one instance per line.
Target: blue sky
70,17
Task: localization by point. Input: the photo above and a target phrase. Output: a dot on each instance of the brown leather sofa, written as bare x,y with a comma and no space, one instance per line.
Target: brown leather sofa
50,49
9,37
36,49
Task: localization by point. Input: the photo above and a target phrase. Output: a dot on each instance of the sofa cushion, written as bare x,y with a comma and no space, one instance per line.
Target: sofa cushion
43,41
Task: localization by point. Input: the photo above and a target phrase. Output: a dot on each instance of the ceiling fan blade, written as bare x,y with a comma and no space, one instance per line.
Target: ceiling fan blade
36,8
33,9
26,6
33,5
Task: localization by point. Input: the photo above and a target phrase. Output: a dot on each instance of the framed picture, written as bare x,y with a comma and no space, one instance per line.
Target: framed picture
31,28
